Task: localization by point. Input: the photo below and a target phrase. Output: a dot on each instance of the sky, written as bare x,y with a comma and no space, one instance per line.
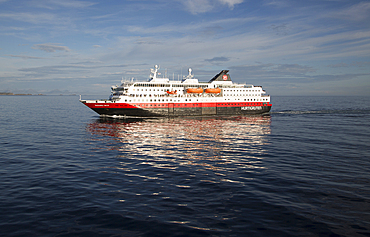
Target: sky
290,47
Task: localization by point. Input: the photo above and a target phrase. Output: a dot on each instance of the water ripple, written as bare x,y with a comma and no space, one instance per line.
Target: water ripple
291,173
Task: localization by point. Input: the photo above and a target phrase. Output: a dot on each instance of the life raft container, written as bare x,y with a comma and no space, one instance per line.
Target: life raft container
213,90
194,90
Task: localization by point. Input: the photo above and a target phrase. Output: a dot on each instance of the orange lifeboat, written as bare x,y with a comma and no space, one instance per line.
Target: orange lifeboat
213,90
194,90
171,92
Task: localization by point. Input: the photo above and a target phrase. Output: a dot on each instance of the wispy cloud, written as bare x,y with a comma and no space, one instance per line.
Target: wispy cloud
50,48
231,3
202,6
354,64
269,71
357,12
24,56
217,59
338,65
53,4
197,6
35,18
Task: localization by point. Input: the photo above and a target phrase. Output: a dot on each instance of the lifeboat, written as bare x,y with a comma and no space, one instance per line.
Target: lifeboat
194,90
213,90
171,92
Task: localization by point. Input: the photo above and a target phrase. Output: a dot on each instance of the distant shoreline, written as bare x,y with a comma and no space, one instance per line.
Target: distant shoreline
10,93
20,94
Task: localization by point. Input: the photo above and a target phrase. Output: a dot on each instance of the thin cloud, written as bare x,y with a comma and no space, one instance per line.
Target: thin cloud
217,59
24,56
53,4
276,3
338,65
197,6
50,48
358,12
231,3
271,71
202,6
72,4
354,64
35,18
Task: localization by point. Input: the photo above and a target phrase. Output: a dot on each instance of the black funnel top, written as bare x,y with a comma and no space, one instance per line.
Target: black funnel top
221,76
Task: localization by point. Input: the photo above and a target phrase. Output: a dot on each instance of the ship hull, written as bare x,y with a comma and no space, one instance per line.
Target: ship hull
177,109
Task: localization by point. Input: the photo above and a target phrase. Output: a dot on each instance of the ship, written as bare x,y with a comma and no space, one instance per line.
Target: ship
162,97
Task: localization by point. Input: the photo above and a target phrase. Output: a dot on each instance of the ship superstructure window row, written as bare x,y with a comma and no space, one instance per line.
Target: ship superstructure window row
165,85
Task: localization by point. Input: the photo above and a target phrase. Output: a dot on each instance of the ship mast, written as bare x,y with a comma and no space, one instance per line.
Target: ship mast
154,72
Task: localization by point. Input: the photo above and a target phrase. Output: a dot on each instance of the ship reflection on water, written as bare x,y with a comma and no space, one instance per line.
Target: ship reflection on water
209,143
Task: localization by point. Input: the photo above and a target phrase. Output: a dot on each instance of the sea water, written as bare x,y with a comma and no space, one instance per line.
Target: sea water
302,170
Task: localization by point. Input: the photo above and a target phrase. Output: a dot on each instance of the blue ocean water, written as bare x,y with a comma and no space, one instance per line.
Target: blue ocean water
302,170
